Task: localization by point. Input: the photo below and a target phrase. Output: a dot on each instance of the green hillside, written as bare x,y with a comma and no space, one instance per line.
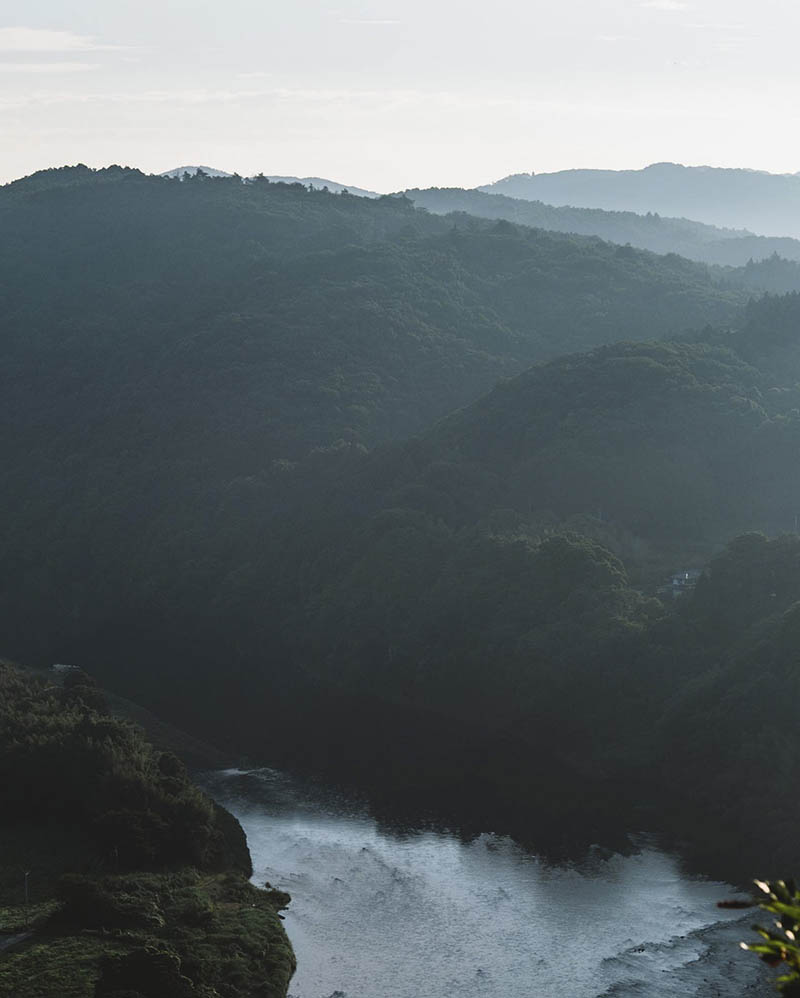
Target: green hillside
768,336
676,444
213,502
476,580
463,586
324,316
117,874
662,451
172,349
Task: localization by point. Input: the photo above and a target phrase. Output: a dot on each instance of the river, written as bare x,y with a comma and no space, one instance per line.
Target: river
399,913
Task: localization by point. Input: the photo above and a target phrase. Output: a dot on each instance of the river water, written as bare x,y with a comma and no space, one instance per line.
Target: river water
380,913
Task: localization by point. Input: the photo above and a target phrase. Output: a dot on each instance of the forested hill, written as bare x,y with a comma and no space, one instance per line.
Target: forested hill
651,231
463,586
117,875
189,370
675,444
768,336
474,586
323,317
171,349
417,556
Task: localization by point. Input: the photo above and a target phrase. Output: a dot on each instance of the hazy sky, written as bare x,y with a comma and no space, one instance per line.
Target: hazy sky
389,94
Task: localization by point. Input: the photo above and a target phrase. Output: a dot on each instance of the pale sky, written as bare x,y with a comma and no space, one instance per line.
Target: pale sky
388,94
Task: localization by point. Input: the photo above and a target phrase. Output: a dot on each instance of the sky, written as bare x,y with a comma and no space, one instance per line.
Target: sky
391,94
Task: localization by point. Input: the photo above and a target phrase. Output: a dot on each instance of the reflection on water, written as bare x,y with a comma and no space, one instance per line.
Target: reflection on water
377,914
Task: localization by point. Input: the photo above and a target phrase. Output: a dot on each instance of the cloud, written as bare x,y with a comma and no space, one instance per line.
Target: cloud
357,101
729,44
44,40
46,67
364,100
719,26
665,5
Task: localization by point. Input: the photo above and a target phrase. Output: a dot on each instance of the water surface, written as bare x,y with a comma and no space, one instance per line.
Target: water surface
379,913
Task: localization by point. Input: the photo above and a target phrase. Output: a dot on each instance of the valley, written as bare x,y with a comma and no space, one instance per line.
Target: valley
389,499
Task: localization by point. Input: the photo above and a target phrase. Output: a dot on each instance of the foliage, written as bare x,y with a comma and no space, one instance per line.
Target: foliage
193,373
768,339
62,760
84,798
730,647
156,935
781,946
773,274
663,450
322,316
173,351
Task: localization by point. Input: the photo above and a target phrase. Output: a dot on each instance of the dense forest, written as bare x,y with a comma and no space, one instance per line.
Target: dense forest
327,316
118,876
215,502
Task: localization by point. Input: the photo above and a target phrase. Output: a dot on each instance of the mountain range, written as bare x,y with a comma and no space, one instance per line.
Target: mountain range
765,203
515,200
283,461
750,202
661,234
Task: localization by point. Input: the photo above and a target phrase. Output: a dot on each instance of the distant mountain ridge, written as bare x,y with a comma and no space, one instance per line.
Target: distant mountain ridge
766,203
319,183
654,232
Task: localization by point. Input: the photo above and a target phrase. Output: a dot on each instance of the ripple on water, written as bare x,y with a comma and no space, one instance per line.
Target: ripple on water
377,915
